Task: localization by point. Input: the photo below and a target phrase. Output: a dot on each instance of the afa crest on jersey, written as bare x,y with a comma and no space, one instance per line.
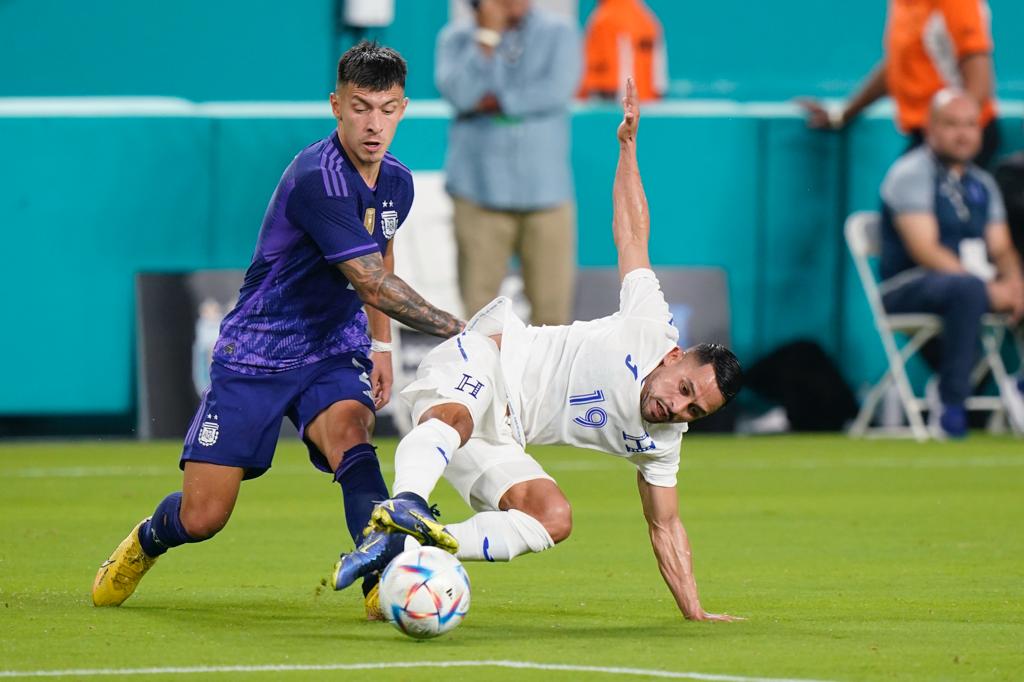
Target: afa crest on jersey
389,223
209,431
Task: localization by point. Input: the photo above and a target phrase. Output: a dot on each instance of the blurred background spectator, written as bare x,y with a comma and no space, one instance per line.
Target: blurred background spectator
940,215
510,74
736,180
929,45
624,39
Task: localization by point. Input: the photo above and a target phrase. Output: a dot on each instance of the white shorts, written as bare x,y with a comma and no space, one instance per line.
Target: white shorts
483,471
466,369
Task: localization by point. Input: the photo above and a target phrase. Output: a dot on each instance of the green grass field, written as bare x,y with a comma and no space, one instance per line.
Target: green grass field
851,561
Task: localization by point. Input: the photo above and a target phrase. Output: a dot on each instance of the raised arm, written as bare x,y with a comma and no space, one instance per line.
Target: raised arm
672,549
631,222
464,70
553,87
390,294
870,91
976,73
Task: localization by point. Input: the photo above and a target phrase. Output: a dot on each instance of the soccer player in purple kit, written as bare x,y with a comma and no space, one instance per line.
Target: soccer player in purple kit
296,343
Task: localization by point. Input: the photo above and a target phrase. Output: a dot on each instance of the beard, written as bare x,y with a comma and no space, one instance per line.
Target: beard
947,158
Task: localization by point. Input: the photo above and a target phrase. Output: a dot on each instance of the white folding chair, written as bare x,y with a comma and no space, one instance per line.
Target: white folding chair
863,238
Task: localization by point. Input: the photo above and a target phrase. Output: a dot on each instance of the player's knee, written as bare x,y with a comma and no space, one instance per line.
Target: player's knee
542,500
340,428
454,415
557,520
348,435
203,524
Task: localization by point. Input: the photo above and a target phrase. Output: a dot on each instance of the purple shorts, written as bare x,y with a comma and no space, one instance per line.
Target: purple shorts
239,418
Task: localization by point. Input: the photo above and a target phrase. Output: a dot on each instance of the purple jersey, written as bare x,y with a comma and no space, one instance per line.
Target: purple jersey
295,306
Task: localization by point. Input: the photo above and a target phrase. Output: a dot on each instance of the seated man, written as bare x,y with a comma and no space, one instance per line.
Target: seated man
940,216
619,384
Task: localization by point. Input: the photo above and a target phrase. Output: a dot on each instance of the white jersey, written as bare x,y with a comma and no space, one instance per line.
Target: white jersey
580,384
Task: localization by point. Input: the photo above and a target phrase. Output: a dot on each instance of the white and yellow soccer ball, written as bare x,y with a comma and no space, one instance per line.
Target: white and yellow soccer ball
424,592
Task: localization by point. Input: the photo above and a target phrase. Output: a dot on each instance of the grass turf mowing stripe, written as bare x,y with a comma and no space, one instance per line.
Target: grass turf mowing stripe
521,665
849,560
956,462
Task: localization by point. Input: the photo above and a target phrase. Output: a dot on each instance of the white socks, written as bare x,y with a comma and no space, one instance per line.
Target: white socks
420,461
422,456
499,536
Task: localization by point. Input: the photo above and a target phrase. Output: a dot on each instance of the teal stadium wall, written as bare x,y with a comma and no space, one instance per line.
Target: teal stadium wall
90,200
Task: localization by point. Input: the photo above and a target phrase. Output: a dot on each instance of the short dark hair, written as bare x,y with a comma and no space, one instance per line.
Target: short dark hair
371,65
728,374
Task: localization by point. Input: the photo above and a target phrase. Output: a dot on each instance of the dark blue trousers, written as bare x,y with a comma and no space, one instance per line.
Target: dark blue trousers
960,300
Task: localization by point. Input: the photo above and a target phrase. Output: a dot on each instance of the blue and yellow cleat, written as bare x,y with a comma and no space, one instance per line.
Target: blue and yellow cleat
120,574
371,556
372,601
408,513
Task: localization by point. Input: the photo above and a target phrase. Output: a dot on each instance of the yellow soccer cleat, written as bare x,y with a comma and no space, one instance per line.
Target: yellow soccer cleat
373,610
120,574
410,514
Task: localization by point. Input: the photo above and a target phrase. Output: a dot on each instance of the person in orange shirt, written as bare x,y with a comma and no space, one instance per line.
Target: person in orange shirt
624,39
929,45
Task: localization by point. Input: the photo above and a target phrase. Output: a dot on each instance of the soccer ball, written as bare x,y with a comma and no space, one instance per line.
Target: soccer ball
424,592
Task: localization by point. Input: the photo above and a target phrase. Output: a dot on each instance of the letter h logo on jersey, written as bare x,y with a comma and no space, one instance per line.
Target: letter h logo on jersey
643,443
469,385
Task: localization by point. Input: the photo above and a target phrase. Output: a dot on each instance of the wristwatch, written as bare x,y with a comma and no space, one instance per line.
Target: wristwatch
488,37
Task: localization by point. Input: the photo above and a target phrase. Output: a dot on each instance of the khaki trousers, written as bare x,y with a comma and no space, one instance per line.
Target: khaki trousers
544,240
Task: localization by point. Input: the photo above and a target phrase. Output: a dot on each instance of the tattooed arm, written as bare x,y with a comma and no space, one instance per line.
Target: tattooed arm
391,295
382,375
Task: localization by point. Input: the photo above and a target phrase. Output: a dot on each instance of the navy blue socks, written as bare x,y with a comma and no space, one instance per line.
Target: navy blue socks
164,530
362,486
361,483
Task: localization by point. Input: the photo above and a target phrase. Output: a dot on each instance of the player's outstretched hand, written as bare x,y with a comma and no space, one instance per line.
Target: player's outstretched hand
630,114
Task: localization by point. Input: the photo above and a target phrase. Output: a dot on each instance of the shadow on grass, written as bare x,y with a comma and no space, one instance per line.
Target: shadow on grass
505,625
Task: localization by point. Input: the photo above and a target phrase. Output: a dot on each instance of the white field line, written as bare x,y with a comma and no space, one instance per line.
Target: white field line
586,463
518,665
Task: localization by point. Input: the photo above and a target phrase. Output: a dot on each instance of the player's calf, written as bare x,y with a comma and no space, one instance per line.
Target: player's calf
202,525
557,520
544,501
424,453
500,536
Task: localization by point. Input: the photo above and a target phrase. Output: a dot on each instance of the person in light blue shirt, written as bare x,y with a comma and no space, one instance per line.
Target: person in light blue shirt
510,74
947,251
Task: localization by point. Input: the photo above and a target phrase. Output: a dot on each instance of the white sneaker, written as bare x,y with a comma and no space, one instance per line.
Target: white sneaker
1013,401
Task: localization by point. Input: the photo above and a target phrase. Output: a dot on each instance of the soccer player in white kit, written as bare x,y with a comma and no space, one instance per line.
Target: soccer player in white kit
619,384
